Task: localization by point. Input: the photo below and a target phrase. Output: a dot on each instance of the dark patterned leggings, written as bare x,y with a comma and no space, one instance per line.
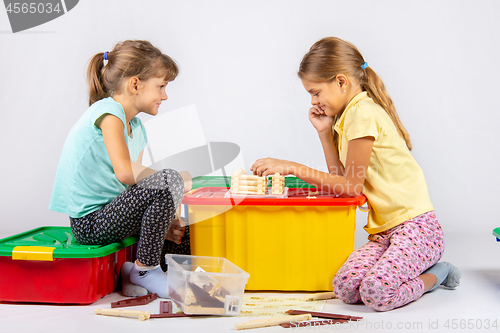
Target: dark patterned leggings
144,209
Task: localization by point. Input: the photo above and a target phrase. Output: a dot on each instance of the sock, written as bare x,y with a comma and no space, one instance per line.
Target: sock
144,268
446,274
151,278
128,288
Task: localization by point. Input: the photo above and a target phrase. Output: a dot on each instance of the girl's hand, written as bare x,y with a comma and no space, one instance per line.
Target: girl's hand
269,166
188,180
176,231
319,119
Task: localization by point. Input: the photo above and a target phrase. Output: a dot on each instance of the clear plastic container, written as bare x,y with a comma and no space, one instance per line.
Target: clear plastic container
206,285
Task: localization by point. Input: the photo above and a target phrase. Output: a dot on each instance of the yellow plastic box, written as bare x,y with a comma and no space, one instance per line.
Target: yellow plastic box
293,243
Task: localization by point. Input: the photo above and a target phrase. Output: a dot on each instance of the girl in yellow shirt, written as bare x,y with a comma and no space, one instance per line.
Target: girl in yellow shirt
367,150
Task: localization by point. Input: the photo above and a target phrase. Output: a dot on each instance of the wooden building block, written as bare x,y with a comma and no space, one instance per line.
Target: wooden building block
258,323
141,315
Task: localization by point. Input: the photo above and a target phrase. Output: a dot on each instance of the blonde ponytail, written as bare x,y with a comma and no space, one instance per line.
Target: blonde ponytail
331,56
376,90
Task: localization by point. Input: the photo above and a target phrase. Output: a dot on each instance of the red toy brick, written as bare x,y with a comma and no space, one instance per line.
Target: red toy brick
166,311
141,300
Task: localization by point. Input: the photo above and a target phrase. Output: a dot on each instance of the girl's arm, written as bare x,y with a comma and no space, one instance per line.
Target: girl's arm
139,159
348,184
331,153
127,171
323,124
139,170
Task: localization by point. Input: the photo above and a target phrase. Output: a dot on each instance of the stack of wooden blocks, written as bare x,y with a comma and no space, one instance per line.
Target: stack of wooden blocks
241,183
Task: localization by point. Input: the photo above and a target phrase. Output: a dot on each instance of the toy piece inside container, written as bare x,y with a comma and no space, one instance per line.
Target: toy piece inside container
206,285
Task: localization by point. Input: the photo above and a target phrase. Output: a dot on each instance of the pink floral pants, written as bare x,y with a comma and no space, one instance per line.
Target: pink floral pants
383,273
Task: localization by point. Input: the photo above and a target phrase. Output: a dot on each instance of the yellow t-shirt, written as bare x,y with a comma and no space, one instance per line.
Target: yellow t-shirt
395,185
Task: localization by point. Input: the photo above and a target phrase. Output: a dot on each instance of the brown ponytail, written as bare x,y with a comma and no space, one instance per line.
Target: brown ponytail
127,59
97,89
331,56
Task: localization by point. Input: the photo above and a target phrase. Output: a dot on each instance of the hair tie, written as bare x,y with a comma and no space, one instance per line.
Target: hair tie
364,65
105,55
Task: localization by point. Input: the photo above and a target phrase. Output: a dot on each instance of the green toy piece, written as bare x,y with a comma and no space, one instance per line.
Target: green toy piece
496,233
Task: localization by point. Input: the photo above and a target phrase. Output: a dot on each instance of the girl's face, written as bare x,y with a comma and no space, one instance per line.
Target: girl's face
151,93
331,97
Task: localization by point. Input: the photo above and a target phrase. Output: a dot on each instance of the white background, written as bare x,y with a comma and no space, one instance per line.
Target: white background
238,60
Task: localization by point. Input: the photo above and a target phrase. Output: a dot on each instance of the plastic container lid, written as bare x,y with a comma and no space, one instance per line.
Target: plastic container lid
63,242
296,197
225,181
211,181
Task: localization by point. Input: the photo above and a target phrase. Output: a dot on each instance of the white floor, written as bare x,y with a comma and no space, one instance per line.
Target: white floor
473,306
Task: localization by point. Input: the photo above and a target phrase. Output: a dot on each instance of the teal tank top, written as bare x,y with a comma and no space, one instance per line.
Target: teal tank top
85,180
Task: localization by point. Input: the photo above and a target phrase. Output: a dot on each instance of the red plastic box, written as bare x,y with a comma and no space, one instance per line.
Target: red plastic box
47,265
